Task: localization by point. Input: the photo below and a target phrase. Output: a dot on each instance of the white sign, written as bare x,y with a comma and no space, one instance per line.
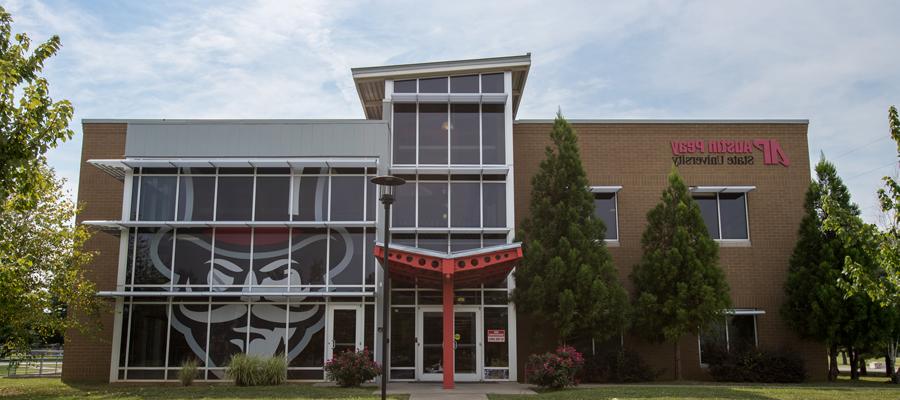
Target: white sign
496,336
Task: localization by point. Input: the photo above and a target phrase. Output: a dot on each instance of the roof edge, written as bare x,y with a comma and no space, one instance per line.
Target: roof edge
667,121
523,60
227,121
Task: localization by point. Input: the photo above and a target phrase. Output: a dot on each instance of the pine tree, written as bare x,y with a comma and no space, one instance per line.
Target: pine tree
566,279
680,286
817,307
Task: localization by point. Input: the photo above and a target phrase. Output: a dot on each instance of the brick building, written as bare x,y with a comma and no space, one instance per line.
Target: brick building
261,236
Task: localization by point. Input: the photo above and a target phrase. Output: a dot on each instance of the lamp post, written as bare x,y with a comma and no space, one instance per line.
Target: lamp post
386,186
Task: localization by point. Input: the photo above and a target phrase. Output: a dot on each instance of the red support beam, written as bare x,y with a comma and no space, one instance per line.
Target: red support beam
449,339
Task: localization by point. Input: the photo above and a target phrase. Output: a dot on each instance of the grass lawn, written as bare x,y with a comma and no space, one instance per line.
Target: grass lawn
707,391
53,388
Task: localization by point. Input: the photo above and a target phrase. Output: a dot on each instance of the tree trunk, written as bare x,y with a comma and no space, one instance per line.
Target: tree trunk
863,368
843,357
890,361
677,362
832,363
854,363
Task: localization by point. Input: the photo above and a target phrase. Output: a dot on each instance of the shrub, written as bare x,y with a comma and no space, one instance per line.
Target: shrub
188,372
555,370
247,370
757,366
352,368
619,366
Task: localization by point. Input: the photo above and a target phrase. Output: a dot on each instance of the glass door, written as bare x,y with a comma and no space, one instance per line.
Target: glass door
344,331
431,345
466,344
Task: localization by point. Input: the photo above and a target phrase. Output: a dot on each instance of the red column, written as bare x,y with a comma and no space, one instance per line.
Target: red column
448,323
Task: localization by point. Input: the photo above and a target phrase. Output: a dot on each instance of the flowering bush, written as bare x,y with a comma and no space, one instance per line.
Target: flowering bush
555,370
351,368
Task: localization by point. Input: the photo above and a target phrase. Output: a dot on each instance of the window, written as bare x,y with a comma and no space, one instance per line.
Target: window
196,197
403,214
492,83
464,195
272,195
493,133
310,198
494,204
157,198
407,86
725,213
464,133
153,257
404,126
192,256
736,333
346,198
346,256
606,208
433,131
235,198
433,204
464,84
433,85
270,257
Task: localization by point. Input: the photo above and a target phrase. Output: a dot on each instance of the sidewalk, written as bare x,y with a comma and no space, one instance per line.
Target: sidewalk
463,391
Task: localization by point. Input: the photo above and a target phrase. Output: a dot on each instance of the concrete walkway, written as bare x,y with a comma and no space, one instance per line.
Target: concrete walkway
463,391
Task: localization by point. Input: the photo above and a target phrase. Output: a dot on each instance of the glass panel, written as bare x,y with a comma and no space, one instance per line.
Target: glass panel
436,242
153,258
430,297
123,335
308,257
231,260
267,336
432,342
710,212
346,256
343,330
369,256
235,198
605,209
404,134
494,205
492,83
433,85
273,171
129,258
371,200
433,131
493,128
306,333
433,204
402,297
494,239
135,186
467,297
369,329
196,197
464,133
465,329
406,239
272,196
149,323
270,257
310,198
464,84
187,335
741,333
403,212
407,86
227,332
496,297
465,197
193,253
496,333
712,340
403,337
460,242
157,198
347,198
734,215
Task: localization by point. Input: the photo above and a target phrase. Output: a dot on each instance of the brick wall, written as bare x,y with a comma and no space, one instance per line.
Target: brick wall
638,157
87,357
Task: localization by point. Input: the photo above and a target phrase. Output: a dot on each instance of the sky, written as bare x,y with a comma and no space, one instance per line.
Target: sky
834,63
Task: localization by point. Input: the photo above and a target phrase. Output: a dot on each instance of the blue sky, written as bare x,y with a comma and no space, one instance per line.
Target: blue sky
834,63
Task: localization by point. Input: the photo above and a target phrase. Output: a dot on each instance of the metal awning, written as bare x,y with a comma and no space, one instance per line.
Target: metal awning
119,167
465,268
745,311
447,170
722,189
605,189
113,225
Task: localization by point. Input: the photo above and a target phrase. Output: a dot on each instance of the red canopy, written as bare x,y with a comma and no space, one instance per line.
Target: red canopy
467,269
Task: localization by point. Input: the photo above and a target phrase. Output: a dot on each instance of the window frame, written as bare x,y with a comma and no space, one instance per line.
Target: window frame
615,192
732,313
717,190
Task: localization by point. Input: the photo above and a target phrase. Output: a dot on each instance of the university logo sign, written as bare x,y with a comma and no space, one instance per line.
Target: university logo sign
727,152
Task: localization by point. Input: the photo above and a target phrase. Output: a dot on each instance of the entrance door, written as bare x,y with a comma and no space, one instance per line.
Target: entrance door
344,330
467,344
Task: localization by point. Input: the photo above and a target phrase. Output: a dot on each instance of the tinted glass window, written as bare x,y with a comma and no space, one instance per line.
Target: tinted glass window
157,198
187,335
196,197
153,256
432,204
433,133
407,86
267,320
404,146
465,197
368,251
235,198
464,133
308,256
149,325
433,242
734,215
496,353
309,329
710,211
494,213
346,256
460,242
493,128
231,264
406,239
272,196
712,340
135,185
494,239
403,212
192,256
310,198
227,333
371,199
433,85
464,84
605,209
741,333
347,198
492,83
270,257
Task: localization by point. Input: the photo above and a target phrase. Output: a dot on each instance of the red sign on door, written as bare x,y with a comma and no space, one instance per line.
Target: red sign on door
496,335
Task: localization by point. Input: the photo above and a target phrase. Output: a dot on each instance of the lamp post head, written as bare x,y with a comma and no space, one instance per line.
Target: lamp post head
386,185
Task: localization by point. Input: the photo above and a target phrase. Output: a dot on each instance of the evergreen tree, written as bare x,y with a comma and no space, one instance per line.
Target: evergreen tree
566,279
679,284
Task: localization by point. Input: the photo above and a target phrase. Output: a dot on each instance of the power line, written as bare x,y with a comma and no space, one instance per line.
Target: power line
860,147
874,169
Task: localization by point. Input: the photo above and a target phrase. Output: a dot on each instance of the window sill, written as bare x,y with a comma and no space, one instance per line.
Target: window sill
733,242
612,242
